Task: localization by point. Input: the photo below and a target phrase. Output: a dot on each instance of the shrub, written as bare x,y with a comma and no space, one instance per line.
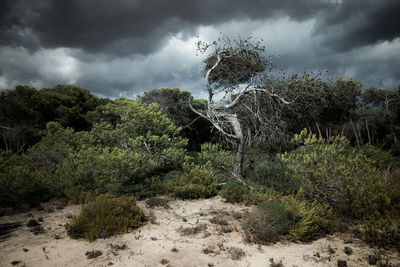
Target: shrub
196,182
104,217
382,230
332,172
262,168
235,192
311,220
222,161
268,222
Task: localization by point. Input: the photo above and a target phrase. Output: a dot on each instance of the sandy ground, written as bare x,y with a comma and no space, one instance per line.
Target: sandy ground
163,241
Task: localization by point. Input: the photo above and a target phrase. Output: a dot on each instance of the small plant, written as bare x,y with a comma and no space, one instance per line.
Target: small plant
225,229
331,250
164,261
373,259
174,249
93,254
275,264
348,250
219,220
208,250
118,247
104,217
32,223
37,230
236,254
192,230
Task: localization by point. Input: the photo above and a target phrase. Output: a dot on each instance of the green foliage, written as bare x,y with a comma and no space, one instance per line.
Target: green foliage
273,174
222,161
332,172
235,192
268,223
382,229
197,181
104,217
312,220
25,111
176,105
56,144
20,183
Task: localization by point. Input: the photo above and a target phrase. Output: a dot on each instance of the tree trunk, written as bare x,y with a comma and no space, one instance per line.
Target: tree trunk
238,168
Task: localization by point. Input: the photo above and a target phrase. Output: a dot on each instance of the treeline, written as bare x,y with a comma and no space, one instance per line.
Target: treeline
328,108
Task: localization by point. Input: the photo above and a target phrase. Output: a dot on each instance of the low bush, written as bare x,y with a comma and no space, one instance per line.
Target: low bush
104,217
268,223
382,230
273,174
312,220
332,172
222,161
196,182
235,192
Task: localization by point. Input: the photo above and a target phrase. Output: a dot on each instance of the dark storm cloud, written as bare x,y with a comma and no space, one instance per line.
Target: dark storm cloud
123,27
121,47
355,23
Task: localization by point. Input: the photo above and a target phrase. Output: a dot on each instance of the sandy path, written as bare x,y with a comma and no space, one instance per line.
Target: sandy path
163,244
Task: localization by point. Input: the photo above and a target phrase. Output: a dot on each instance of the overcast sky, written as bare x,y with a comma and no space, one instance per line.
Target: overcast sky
120,48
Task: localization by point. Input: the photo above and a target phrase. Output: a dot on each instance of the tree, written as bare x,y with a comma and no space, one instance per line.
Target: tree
233,69
176,104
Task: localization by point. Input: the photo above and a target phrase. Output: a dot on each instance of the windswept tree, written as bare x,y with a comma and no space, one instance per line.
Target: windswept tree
233,69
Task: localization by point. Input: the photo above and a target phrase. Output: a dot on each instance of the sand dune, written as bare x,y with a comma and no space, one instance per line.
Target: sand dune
181,235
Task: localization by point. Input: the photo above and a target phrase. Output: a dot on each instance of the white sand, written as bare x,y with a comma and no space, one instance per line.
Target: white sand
152,243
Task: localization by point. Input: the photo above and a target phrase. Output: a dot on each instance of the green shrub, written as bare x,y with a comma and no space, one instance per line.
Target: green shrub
222,161
104,217
196,182
235,192
332,172
382,230
274,175
268,223
311,220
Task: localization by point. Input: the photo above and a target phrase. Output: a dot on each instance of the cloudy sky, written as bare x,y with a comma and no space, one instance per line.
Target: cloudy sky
121,48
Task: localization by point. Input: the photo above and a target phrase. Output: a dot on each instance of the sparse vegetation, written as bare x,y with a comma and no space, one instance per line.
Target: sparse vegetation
348,250
236,254
272,263
192,230
93,254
